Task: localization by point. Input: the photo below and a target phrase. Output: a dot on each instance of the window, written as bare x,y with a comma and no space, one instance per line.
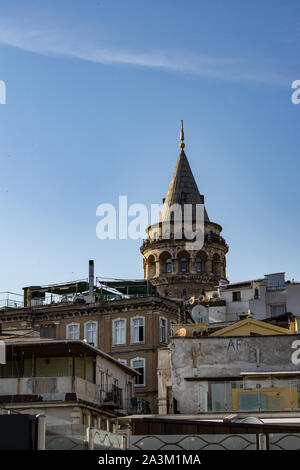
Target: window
48,331
256,293
73,331
119,331
171,327
91,333
137,330
168,265
123,361
199,265
163,330
139,364
236,296
183,265
277,310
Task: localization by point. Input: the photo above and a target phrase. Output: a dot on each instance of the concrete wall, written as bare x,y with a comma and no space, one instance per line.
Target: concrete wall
293,299
208,358
164,375
115,372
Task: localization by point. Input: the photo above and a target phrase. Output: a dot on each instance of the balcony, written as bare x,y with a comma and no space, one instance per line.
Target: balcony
31,389
139,406
208,238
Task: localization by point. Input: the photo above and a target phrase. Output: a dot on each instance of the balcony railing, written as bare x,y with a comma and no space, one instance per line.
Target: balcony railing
208,238
59,389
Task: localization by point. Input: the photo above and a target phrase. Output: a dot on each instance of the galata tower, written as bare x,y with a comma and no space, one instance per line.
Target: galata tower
172,263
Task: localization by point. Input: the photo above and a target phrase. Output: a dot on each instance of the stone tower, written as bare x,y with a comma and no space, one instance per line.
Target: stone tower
170,264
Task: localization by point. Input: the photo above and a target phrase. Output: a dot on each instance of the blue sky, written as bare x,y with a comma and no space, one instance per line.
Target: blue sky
95,94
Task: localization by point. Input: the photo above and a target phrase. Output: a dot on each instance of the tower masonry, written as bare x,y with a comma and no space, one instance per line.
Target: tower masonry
179,269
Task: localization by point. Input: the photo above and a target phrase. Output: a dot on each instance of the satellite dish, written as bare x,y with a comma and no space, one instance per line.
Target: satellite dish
199,314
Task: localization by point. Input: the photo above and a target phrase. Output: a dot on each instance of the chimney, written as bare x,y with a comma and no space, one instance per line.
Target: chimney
91,278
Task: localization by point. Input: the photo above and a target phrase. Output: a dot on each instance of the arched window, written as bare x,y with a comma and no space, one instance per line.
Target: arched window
91,333
183,265
73,331
199,265
139,364
216,265
168,265
119,331
151,266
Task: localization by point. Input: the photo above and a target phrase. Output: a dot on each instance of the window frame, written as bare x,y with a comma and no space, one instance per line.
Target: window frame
144,367
160,330
122,361
137,317
115,320
183,262
168,262
277,305
171,331
199,260
96,332
70,325
238,294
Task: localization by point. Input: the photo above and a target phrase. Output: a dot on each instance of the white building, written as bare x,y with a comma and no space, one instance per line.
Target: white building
263,298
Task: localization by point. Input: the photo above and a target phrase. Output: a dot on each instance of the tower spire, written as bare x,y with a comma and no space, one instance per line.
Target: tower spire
182,144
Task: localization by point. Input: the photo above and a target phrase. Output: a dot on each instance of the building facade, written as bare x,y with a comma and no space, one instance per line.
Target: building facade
130,330
73,383
251,366
263,298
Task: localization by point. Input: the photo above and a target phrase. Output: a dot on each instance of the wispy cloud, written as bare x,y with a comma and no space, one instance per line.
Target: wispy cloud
62,43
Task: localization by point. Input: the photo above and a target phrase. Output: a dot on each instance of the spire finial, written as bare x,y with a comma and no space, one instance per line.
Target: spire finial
182,145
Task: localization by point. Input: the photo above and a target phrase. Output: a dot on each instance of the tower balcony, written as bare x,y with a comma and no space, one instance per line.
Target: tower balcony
209,238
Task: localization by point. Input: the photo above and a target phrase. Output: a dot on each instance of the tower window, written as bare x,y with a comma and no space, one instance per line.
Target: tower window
168,265
199,265
183,265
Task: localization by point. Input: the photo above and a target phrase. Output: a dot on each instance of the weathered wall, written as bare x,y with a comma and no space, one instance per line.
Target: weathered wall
164,376
193,358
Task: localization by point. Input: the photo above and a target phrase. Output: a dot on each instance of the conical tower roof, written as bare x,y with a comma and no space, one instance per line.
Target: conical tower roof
183,188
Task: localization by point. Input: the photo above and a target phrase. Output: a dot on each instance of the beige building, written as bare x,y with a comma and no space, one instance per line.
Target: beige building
70,381
130,330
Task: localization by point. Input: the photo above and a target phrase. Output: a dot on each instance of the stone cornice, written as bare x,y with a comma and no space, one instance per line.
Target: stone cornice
56,312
